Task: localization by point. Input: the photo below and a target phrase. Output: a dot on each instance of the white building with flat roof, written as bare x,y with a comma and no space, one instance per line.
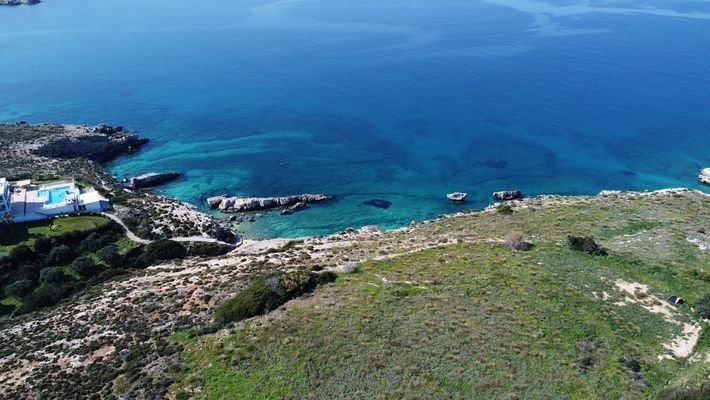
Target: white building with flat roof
5,196
27,202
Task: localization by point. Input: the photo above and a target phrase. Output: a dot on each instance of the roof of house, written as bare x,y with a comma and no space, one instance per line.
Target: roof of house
91,197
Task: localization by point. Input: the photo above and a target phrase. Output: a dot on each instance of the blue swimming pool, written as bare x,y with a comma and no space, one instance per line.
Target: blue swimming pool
55,195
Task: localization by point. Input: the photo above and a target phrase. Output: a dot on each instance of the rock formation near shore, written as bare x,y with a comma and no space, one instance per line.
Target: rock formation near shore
507,195
19,2
243,204
101,143
704,176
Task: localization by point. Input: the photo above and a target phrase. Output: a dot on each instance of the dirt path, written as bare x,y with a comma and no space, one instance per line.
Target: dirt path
133,237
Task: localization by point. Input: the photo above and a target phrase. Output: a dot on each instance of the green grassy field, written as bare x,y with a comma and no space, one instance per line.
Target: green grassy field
28,232
477,320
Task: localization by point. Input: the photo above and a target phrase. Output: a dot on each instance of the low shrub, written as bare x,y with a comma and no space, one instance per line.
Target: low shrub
504,209
44,296
266,293
52,275
165,249
20,288
60,255
702,307
85,266
110,255
701,392
585,244
516,241
6,309
22,253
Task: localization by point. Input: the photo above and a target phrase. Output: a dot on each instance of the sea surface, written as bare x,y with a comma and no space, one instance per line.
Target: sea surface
398,100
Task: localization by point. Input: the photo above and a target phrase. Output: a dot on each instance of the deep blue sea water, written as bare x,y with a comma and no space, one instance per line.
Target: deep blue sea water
400,100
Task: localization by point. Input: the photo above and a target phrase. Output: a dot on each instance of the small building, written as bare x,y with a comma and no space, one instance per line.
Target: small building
30,202
4,198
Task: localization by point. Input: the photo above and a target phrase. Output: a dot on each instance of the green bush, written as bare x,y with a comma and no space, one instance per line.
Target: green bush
701,392
20,288
585,244
22,253
52,275
165,249
43,245
6,309
60,255
44,296
504,209
85,266
267,293
110,255
702,307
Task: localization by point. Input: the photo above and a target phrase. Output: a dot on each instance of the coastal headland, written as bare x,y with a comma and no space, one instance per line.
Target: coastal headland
449,298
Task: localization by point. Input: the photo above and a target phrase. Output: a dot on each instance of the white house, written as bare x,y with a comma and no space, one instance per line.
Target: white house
4,198
29,202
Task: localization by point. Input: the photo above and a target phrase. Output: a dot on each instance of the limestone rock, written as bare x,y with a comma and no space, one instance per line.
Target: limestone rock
508,195
244,204
704,176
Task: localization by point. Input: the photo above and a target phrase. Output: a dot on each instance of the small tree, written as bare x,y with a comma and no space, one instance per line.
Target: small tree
85,266
59,255
19,288
109,254
52,275
585,244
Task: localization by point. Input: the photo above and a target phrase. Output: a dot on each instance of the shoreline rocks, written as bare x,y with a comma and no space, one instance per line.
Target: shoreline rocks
150,179
704,176
19,2
101,143
228,204
508,195
457,197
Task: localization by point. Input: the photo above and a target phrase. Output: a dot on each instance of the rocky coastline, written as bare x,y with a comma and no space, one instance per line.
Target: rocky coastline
19,2
56,151
234,204
115,323
704,176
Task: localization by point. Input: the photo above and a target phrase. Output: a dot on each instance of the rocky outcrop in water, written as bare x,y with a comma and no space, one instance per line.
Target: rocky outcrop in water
294,208
100,143
18,2
243,204
704,176
508,195
150,179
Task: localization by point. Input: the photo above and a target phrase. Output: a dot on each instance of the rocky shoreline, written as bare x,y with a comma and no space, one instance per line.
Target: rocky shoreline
54,151
112,341
19,2
234,204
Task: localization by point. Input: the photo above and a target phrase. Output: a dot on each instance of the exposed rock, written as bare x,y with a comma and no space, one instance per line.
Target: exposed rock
53,150
507,195
19,2
101,143
704,176
457,197
150,179
294,208
243,204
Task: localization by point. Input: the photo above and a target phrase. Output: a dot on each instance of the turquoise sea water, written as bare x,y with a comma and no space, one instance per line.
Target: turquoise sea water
396,100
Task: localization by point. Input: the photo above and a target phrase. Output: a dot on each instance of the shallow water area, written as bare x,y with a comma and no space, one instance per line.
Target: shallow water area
389,100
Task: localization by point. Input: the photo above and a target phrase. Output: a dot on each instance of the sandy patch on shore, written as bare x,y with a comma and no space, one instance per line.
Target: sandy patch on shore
638,293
